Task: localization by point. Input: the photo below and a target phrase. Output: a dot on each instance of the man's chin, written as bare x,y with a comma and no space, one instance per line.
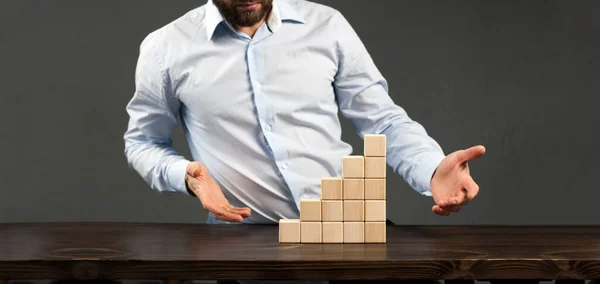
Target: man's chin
248,22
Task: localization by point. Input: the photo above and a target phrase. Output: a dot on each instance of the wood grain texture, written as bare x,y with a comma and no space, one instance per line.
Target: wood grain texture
354,189
331,188
311,232
310,210
375,167
375,210
354,232
198,251
289,231
332,210
375,189
374,145
375,232
333,232
354,210
353,166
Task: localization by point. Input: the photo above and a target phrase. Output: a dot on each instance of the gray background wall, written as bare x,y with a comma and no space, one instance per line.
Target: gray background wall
520,77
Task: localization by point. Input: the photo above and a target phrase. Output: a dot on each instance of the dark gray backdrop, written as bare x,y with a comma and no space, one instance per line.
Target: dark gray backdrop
520,77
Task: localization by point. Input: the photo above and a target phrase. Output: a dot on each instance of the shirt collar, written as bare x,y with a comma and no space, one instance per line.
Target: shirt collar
282,10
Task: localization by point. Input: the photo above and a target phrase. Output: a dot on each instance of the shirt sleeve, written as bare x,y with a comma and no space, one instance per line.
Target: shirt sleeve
153,114
363,99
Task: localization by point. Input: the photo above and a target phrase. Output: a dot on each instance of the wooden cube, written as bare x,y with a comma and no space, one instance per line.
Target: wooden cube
311,232
331,188
354,189
375,189
375,167
332,210
333,232
374,145
375,232
353,167
310,210
375,211
289,231
354,232
354,210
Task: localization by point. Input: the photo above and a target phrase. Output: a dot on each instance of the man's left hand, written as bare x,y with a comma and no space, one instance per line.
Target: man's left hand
452,185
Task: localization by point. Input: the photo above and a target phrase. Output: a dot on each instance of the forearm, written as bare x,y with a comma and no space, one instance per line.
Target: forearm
412,153
158,164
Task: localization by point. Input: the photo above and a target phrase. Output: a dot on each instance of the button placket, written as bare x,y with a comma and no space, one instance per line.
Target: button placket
265,112
259,99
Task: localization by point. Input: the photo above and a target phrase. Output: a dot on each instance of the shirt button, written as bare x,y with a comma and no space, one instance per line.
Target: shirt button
284,166
267,128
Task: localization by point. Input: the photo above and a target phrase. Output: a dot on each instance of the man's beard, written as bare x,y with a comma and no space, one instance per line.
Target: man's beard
243,18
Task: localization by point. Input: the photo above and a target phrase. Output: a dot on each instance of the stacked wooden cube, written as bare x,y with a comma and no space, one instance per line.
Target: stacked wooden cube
351,208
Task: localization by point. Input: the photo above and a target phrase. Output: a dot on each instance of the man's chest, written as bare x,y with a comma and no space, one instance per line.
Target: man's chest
241,80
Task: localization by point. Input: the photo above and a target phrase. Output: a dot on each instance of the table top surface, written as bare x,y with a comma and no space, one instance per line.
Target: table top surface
195,244
189,242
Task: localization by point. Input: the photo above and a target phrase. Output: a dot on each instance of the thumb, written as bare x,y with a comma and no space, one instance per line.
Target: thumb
472,153
193,169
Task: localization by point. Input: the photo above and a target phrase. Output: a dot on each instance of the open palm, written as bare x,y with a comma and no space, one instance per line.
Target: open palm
452,185
211,196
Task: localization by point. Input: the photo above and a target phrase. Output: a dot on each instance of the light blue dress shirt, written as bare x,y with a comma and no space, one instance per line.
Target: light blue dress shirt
261,113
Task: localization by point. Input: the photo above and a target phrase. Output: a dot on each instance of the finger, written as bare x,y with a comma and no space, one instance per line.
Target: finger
223,214
439,211
471,187
451,207
448,203
453,204
229,217
444,204
471,153
244,212
442,210
193,171
454,209
228,212
460,199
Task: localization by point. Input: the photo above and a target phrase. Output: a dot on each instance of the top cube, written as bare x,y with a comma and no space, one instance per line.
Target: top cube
375,145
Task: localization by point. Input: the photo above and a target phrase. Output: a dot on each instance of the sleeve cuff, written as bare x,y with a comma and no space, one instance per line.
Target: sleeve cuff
176,175
424,173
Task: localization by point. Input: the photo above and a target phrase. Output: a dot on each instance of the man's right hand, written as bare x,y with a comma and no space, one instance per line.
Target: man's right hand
198,181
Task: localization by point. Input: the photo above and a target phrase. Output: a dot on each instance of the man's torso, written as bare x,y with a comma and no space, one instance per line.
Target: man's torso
260,113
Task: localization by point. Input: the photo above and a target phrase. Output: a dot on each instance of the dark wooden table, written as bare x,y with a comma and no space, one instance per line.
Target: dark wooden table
191,251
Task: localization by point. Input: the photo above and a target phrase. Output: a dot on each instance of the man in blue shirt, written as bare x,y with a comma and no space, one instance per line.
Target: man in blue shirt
257,86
